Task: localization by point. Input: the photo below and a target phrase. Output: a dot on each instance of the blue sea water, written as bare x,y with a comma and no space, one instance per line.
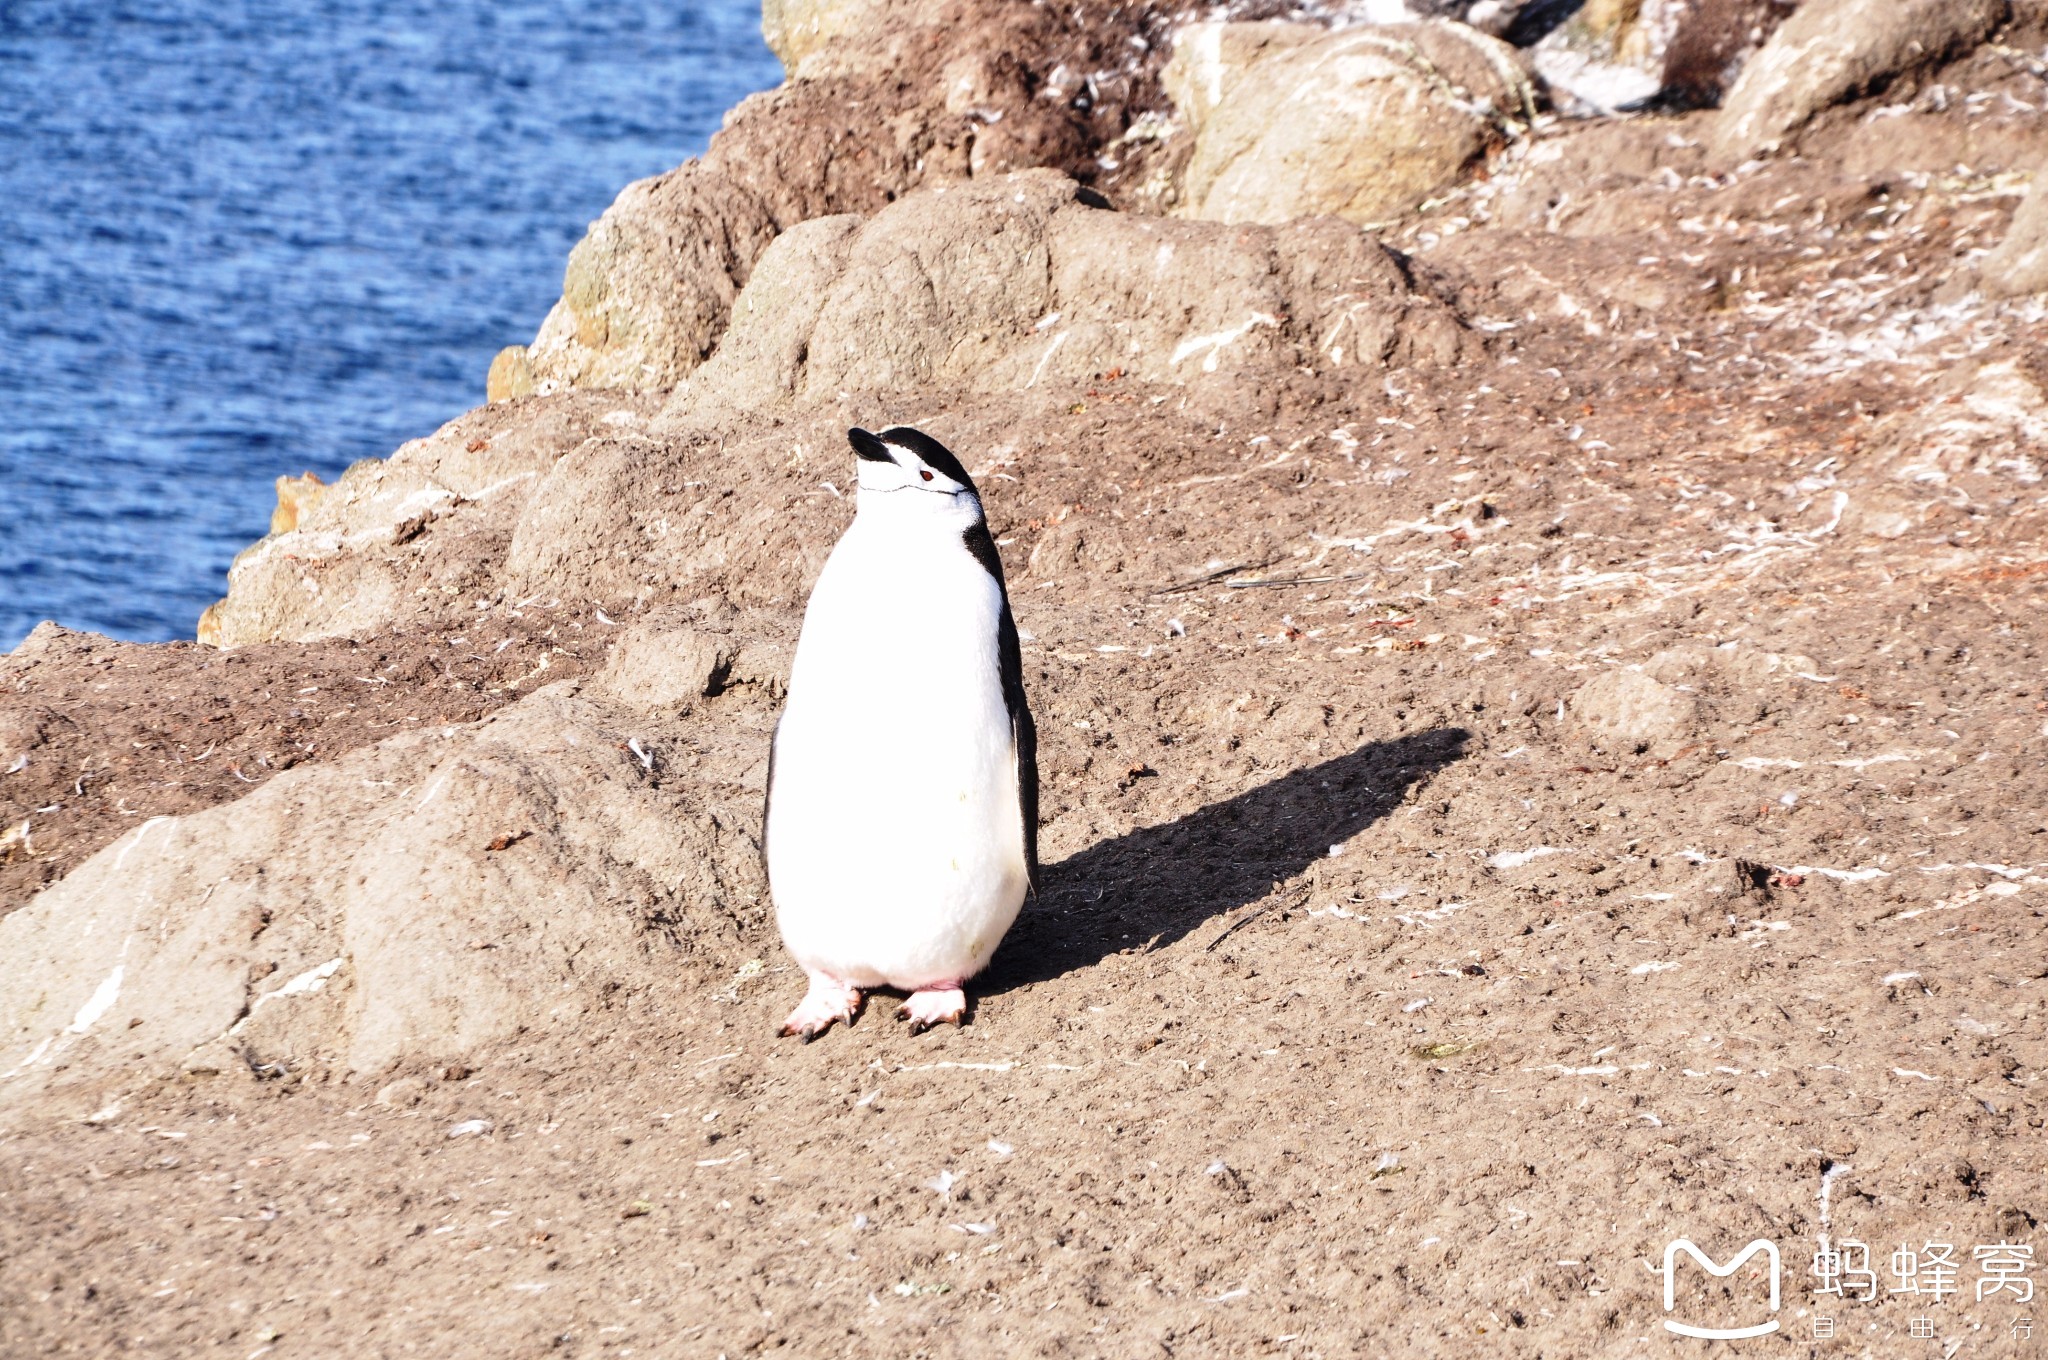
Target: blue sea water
240,238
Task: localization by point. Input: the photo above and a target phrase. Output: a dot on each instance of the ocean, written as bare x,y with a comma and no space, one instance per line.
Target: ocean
240,239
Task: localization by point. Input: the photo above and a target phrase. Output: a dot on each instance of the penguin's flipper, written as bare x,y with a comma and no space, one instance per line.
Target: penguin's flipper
1023,734
1010,671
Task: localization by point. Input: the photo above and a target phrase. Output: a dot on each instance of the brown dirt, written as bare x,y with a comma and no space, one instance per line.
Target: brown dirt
1391,991
114,733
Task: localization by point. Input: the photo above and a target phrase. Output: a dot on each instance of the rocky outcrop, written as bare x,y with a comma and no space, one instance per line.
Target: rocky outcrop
526,874
1020,284
1000,286
1607,54
386,541
647,289
1831,50
1292,121
883,98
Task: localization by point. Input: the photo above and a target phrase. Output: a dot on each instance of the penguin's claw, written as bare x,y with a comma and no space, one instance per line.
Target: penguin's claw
826,1001
939,1004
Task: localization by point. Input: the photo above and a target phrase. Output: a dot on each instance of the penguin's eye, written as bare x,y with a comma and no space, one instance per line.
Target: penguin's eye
925,473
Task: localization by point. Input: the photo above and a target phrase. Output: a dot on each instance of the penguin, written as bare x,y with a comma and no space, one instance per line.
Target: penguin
901,831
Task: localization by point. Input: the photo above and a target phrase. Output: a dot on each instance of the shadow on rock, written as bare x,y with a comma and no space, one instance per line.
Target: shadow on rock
1167,881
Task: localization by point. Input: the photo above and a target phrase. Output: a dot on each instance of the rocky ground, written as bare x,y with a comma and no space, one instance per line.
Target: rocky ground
1542,733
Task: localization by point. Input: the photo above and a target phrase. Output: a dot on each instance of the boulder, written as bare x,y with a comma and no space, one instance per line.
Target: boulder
1004,285
672,663
646,291
1627,709
522,874
385,542
1607,54
1291,121
667,666
1831,50
891,96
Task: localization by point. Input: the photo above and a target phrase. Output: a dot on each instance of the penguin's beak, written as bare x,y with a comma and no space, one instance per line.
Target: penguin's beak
868,447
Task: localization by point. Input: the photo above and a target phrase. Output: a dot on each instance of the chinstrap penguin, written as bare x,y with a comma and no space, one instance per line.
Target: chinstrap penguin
902,817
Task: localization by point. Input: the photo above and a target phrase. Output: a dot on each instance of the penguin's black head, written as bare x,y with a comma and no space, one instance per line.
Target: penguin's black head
903,459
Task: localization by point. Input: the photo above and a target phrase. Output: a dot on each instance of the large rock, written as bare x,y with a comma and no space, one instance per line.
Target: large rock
1004,285
409,536
891,96
1626,709
996,287
671,663
1623,55
647,289
2019,264
1291,121
413,902
1832,50
1608,54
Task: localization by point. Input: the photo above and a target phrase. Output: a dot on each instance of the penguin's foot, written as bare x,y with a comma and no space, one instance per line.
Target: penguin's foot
942,1003
828,999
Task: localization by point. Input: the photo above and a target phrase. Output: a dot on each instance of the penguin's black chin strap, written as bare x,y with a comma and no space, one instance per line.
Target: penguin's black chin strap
912,486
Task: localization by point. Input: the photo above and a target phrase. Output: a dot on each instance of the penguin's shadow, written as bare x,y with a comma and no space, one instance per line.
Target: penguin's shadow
1161,883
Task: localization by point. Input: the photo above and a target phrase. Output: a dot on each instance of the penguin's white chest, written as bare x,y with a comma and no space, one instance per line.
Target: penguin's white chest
895,829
